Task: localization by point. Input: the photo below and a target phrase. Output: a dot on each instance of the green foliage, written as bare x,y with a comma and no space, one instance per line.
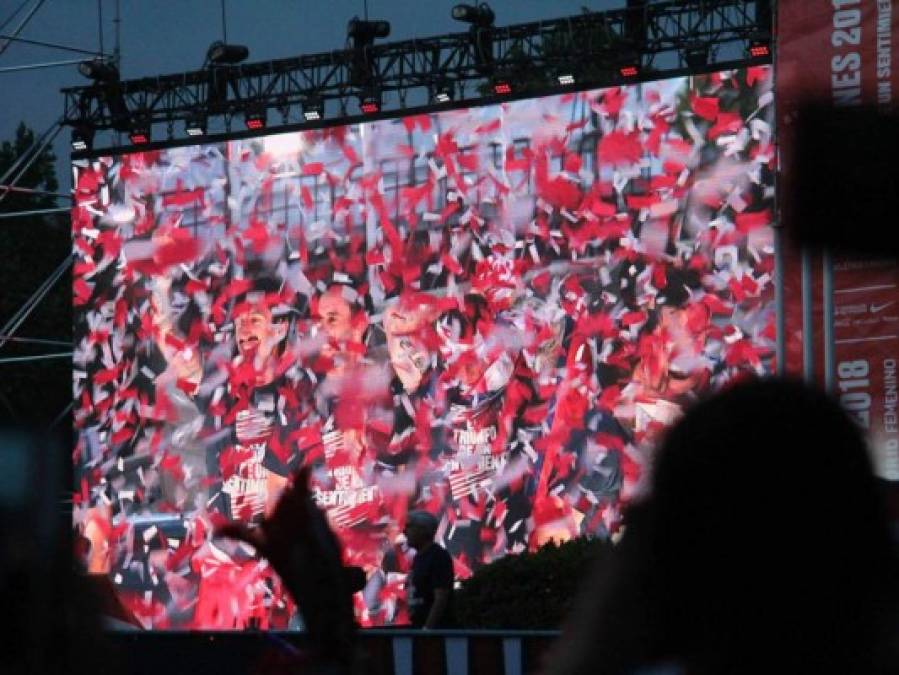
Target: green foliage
531,590
32,247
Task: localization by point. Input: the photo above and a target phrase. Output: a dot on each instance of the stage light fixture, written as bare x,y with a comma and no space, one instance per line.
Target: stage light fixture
566,79
481,18
480,15
106,74
195,125
82,138
759,49
629,71
313,109
366,31
99,70
255,118
362,35
221,54
502,87
370,103
696,56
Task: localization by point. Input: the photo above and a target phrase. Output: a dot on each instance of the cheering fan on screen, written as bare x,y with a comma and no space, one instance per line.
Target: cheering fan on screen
255,397
261,402
410,337
472,452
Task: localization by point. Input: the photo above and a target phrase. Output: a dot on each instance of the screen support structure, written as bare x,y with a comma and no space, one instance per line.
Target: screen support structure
667,30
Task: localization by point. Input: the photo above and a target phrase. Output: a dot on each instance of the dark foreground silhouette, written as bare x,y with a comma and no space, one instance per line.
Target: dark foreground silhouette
763,547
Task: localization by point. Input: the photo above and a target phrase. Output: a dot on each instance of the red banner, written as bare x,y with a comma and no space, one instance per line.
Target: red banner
844,53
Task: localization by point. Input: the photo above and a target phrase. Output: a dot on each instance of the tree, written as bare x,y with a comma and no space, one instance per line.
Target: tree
33,393
532,590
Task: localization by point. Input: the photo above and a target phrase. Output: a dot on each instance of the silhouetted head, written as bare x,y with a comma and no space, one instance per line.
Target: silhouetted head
766,526
763,541
421,526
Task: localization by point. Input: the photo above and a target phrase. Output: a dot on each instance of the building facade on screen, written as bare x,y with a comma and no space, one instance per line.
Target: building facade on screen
487,313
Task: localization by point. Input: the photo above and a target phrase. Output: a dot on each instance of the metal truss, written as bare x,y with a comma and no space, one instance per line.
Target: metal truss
590,46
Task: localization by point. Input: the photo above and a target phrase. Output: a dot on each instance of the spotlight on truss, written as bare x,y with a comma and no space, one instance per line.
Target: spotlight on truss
365,32
362,35
255,118
106,75
478,15
481,34
221,54
313,109
195,125
566,79
99,70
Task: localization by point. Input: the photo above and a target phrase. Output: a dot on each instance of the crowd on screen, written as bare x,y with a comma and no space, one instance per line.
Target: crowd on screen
508,379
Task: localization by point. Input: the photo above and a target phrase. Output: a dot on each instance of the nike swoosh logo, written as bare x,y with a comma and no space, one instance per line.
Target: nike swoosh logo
882,306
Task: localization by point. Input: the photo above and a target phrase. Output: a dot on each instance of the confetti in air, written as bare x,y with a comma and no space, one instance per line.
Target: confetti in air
486,313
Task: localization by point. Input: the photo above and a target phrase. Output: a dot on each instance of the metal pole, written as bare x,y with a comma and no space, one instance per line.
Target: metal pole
780,317
36,212
100,22
8,20
30,191
36,66
21,26
61,415
36,341
39,357
224,24
52,45
22,313
808,329
117,50
829,339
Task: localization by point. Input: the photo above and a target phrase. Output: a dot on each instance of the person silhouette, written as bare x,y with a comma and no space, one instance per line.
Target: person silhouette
762,545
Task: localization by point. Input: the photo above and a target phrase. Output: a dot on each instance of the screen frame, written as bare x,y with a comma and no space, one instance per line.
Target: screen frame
476,102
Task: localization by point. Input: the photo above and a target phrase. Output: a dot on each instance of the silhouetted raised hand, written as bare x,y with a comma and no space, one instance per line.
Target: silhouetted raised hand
296,539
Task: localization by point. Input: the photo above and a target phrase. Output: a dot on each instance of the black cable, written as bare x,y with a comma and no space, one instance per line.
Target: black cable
100,23
52,45
12,16
22,25
61,415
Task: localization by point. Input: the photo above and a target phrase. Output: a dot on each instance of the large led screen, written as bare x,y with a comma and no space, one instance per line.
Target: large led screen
487,313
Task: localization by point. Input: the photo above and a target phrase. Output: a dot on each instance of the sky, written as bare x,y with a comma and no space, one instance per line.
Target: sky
171,36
